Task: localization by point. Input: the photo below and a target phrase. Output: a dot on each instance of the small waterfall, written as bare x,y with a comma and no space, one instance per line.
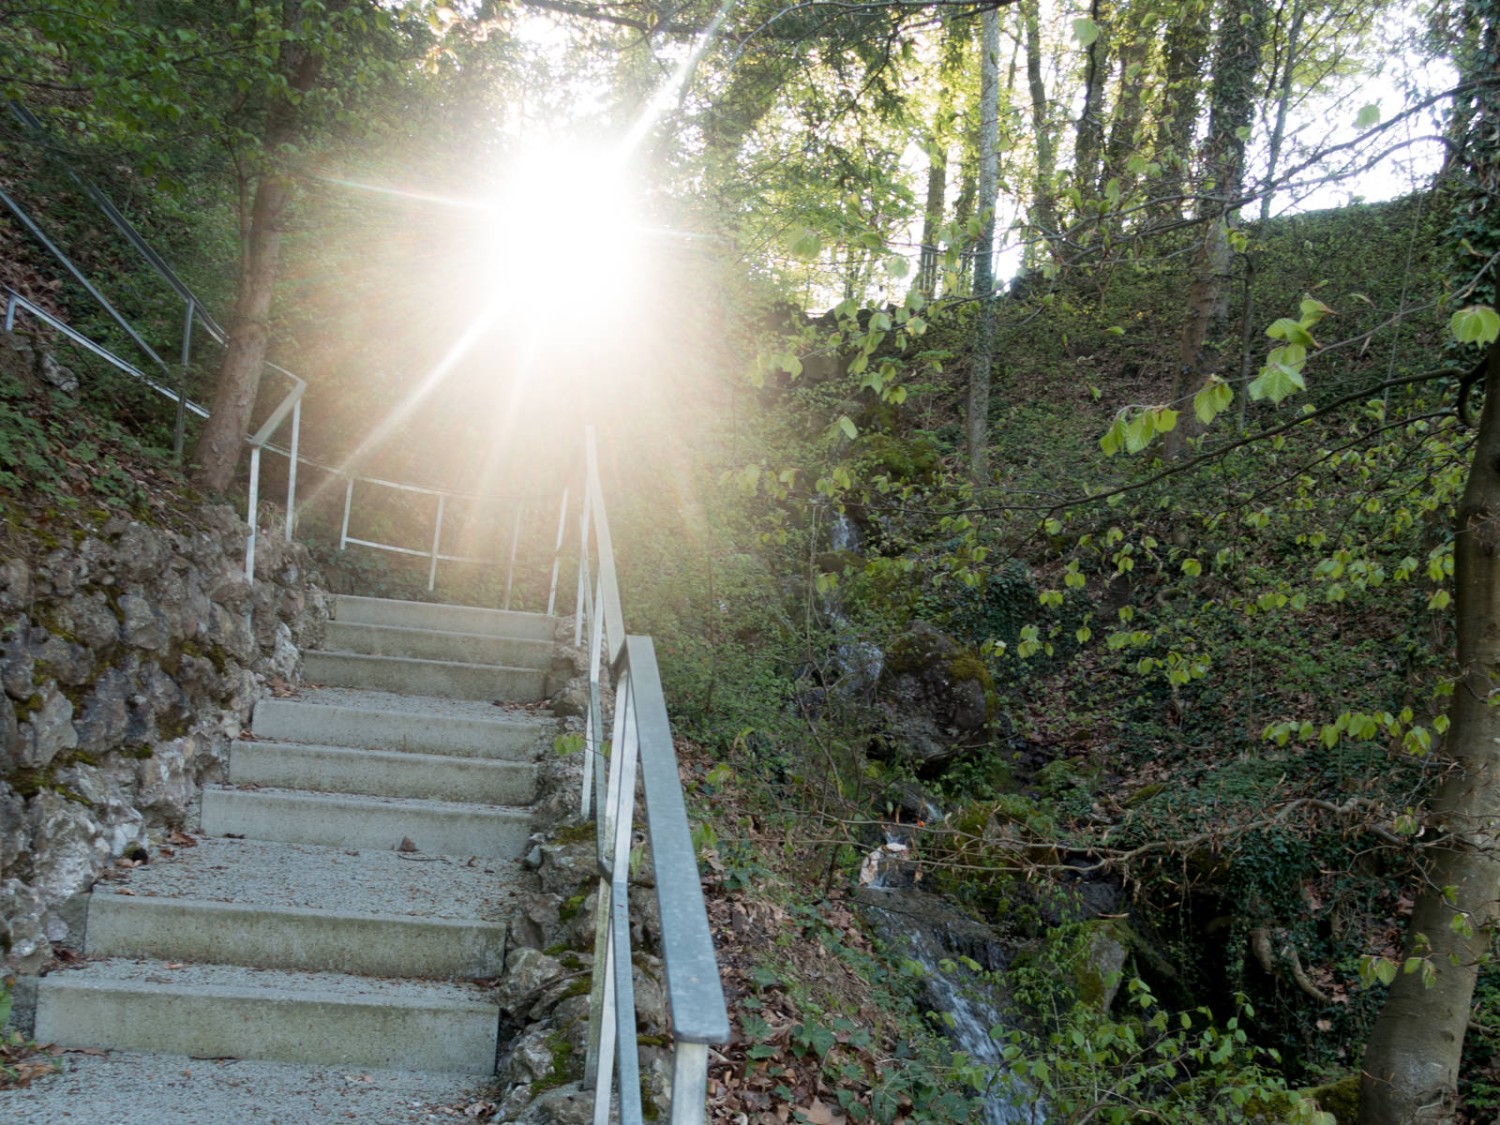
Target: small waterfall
859,662
929,932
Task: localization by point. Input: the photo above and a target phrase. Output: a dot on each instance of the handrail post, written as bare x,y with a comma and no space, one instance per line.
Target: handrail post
510,567
179,428
437,537
348,503
291,471
251,514
583,560
562,531
689,1082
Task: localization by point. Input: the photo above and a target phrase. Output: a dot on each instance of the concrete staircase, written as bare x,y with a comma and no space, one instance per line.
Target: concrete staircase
302,927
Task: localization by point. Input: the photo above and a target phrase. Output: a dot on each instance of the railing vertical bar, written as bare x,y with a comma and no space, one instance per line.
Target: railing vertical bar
562,531
291,471
437,538
251,514
628,1068
348,503
583,562
622,772
604,1011
595,729
689,1083
510,567
179,427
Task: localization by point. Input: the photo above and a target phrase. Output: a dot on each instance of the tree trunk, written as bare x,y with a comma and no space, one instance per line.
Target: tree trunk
1130,109
218,450
932,213
982,363
1267,193
1242,34
1089,138
1043,197
1410,1071
1186,49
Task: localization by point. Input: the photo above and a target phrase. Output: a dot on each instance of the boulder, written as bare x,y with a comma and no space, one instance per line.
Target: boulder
936,696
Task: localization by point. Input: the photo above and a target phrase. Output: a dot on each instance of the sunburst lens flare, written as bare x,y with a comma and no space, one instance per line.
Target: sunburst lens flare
563,239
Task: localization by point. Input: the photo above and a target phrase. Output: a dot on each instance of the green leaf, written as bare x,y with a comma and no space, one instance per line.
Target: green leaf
1212,399
1139,431
1385,970
1114,438
1166,420
1477,324
1292,332
1115,330
1367,116
807,245
1085,31
851,431
1276,382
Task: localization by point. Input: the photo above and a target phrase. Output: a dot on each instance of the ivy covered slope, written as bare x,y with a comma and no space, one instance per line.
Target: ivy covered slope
1216,682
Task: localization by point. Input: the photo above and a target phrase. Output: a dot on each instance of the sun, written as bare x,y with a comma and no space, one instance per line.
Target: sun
563,243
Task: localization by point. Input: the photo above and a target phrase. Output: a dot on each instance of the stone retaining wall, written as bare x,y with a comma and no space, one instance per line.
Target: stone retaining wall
129,659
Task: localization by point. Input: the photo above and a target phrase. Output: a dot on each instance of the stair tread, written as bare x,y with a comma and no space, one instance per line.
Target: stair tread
352,609
140,975
381,753
364,800
125,1088
315,877
390,702
376,658
353,636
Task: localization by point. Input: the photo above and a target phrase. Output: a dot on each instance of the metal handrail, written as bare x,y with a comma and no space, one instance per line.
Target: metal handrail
640,748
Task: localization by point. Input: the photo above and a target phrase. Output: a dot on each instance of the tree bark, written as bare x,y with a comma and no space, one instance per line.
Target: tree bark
1268,192
1410,1071
982,363
1043,191
932,212
1089,137
217,452
1242,34
1411,1065
1186,49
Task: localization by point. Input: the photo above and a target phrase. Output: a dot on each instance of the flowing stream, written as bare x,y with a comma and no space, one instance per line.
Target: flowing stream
928,931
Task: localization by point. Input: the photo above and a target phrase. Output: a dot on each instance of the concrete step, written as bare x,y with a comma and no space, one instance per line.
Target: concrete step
443,618
127,1088
381,773
218,1011
437,828
429,644
301,906
286,937
385,721
445,679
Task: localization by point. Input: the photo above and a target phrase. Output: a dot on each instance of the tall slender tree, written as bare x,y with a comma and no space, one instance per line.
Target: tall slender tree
1237,56
1411,1063
982,362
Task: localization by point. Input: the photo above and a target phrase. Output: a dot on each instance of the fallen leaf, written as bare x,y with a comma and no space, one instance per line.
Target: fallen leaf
406,845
